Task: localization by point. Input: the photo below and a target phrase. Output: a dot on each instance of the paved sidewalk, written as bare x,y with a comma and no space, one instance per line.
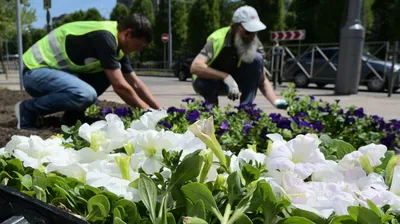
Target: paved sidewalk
170,92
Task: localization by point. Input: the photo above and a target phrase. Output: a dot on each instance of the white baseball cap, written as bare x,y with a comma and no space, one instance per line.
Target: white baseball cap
248,17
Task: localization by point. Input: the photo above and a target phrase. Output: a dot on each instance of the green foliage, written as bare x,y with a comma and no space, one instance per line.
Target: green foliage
204,16
119,12
91,14
144,7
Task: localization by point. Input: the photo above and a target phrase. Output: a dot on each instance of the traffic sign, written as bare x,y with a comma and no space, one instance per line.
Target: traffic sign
164,38
288,35
46,4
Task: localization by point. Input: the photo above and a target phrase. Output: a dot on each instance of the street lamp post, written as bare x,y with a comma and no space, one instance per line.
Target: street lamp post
351,48
19,35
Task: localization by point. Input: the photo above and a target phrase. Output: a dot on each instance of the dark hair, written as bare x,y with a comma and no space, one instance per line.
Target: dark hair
140,26
234,27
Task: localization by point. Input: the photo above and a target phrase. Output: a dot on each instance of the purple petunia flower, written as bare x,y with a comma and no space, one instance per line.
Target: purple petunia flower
106,111
166,124
188,100
389,140
122,111
302,114
224,125
231,114
193,116
359,112
275,117
247,126
171,110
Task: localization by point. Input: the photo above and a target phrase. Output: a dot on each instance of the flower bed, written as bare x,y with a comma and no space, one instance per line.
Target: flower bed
238,127
132,172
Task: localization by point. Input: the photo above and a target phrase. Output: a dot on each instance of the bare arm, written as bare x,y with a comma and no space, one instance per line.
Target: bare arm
124,90
199,67
141,89
267,90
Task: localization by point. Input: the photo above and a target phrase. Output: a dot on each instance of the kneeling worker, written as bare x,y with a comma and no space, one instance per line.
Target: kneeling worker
75,63
231,62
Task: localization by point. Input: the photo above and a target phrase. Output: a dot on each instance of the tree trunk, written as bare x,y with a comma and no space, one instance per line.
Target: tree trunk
1,58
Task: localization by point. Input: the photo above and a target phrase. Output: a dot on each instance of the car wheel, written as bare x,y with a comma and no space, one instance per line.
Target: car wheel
182,76
301,80
321,85
375,84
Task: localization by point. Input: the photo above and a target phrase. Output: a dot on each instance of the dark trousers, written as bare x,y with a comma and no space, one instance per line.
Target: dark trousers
247,76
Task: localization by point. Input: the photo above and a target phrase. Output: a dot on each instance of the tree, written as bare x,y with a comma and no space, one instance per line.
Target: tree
179,26
204,19
8,28
144,7
227,8
385,16
93,14
161,26
119,12
271,13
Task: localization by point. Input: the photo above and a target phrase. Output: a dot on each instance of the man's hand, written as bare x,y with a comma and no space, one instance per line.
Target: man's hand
281,104
233,88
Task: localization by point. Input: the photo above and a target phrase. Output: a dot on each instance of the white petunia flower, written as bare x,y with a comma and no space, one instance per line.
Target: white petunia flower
34,151
149,120
300,155
374,153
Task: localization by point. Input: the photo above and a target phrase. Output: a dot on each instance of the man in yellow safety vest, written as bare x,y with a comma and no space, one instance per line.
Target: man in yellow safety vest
75,63
231,62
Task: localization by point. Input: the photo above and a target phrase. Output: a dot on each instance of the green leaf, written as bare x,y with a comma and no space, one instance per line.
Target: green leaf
374,208
325,139
98,208
118,221
344,219
295,220
390,170
309,215
250,173
363,215
15,165
244,219
148,194
188,169
129,208
194,220
39,185
4,177
342,148
198,210
170,218
235,187
198,191
27,182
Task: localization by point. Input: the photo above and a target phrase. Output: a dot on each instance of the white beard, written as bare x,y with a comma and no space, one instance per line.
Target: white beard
246,51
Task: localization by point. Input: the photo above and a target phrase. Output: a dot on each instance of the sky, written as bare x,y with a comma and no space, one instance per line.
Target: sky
59,7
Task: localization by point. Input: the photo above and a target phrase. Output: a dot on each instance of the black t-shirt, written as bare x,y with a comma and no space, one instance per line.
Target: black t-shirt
97,45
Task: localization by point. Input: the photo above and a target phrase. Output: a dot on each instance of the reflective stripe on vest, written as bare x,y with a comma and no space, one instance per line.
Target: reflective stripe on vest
61,62
50,52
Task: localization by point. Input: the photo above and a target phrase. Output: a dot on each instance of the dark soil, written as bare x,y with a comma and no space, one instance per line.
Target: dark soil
49,125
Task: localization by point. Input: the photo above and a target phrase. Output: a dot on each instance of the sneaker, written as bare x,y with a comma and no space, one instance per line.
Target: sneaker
25,119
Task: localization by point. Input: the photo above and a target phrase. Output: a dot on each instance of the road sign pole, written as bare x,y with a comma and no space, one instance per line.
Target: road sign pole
165,58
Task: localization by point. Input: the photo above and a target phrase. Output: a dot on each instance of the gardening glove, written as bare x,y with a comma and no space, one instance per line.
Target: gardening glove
281,104
233,88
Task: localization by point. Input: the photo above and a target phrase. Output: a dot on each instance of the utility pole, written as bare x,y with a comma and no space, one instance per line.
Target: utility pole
47,6
170,35
352,38
19,35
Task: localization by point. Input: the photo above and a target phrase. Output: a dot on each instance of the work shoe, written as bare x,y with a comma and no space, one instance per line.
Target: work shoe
26,120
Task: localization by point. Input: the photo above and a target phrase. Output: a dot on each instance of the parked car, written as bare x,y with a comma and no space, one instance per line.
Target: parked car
323,72
182,68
